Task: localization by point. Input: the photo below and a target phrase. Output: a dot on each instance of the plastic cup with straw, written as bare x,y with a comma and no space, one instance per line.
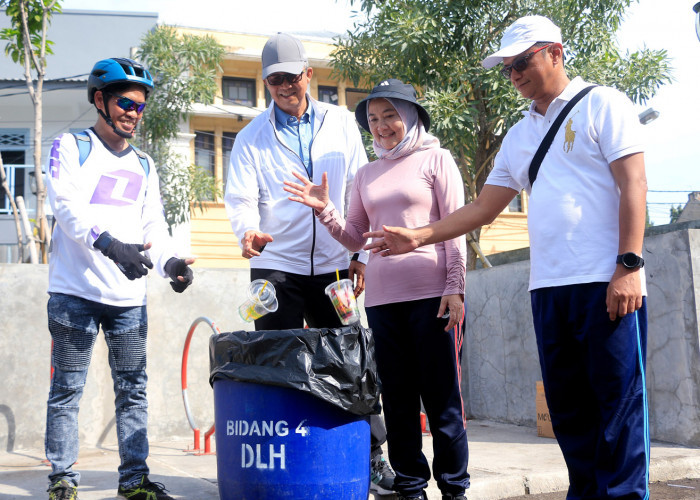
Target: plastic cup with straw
343,299
261,299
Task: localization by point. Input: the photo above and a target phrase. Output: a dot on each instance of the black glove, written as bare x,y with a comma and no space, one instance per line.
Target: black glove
127,256
176,267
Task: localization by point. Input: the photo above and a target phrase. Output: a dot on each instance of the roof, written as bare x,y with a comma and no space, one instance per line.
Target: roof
81,38
691,211
217,110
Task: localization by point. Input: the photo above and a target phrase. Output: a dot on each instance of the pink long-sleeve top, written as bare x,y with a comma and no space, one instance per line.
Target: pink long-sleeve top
411,191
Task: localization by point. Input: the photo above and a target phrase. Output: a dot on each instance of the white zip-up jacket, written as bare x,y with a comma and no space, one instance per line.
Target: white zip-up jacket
255,198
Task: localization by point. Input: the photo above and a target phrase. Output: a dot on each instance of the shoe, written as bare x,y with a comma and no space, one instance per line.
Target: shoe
422,496
382,477
144,491
63,490
452,497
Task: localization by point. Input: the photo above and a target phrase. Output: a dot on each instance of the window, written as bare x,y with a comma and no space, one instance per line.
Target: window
226,145
516,204
15,169
328,94
13,148
204,150
353,96
239,91
10,138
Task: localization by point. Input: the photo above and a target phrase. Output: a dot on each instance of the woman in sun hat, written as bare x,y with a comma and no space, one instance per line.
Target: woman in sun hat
414,302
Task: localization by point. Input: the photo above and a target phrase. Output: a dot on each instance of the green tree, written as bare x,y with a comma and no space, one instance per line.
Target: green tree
27,43
675,212
184,70
438,46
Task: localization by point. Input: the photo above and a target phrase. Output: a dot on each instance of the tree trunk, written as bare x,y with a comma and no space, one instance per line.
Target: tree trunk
6,187
44,231
42,224
39,63
33,257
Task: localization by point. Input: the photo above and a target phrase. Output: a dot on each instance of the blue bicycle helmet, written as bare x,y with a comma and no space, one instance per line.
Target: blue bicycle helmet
117,70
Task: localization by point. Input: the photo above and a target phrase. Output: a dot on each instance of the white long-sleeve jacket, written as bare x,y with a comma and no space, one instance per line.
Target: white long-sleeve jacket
109,192
255,199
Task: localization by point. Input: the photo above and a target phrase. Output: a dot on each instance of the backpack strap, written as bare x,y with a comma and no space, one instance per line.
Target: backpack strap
547,141
82,139
143,159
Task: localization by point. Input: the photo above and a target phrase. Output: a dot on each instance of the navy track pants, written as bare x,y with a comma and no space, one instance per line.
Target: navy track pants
593,370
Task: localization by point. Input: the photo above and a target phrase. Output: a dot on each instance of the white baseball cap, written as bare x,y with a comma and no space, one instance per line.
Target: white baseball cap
521,35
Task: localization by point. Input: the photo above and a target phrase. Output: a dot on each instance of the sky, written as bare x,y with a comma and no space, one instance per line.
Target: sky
672,140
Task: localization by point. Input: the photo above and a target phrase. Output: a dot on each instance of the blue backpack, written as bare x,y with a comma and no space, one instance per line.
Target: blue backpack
82,139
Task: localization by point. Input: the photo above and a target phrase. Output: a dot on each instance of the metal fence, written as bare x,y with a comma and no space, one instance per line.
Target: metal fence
21,182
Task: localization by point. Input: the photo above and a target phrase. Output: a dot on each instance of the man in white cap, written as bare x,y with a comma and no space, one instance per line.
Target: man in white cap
284,242
586,221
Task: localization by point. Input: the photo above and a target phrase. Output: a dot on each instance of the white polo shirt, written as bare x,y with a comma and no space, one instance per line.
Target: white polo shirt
574,205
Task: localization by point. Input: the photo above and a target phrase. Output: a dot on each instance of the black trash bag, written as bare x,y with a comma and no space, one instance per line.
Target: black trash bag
334,364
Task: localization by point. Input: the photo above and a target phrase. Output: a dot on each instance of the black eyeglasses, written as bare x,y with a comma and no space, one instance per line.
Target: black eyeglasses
128,104
520,63
279,78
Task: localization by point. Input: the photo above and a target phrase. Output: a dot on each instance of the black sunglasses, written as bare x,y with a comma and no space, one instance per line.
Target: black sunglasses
128,104
520,63
279,78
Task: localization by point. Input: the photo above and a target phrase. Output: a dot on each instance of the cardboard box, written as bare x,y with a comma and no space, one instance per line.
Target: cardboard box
544,423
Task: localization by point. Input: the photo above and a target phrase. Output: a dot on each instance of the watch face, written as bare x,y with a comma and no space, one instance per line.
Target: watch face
630,260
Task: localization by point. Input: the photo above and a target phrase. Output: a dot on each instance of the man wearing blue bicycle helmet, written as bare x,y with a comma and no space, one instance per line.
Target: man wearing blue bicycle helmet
107,79
104,192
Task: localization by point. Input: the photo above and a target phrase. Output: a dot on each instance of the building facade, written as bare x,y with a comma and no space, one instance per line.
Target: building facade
242,96
80,38
206,138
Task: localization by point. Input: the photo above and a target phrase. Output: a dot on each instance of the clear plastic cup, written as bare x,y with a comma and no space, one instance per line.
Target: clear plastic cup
261,300
343,299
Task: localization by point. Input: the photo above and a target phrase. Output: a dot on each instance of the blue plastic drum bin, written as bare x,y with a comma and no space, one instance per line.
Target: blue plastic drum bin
275,443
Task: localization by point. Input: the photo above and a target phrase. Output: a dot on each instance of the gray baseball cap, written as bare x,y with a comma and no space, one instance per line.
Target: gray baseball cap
283,54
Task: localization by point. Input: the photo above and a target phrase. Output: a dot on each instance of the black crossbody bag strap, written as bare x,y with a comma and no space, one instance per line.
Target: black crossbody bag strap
547,141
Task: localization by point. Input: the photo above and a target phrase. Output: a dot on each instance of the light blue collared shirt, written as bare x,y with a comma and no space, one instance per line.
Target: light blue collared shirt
297,134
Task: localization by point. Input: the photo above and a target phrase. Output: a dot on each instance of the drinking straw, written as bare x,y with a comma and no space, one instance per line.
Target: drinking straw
337,276
262,289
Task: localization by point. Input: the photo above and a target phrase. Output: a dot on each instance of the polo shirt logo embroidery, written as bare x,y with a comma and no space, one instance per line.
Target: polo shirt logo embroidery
570,135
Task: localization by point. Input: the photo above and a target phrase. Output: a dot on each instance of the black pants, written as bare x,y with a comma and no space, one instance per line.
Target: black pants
418,360
303,298
299,298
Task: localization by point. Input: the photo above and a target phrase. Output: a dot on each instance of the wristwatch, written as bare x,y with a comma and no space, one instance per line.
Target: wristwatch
630,260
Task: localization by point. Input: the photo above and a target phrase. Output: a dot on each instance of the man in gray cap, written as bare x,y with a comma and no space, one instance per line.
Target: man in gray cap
586,222
297,134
